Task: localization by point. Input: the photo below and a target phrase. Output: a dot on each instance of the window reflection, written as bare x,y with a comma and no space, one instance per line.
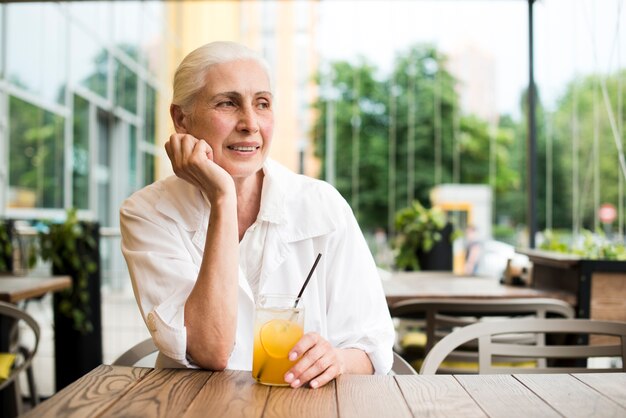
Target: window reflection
150,115
35,156
132,183
103,167
80,169
94,15
127,24
36,58
126,85
149,168
89,62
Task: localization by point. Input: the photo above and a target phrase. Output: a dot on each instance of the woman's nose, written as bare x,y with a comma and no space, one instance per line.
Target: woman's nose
248,121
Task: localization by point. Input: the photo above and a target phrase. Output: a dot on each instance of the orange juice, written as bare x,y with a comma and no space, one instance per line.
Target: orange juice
278,326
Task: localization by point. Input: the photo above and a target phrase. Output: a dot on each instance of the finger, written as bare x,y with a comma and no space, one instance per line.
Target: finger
187,145
315,369
328,375
305,343
203,151
173,150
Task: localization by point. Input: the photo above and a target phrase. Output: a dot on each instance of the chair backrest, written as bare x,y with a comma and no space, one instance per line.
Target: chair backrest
401,366
27,353
485,332
137,353
442,316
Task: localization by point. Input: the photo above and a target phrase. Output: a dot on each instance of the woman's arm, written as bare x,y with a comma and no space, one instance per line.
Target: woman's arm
211,308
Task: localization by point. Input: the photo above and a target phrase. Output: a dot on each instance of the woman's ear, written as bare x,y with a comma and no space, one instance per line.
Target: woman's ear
179,119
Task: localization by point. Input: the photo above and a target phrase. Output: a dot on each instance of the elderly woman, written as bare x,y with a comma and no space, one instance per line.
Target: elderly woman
202,245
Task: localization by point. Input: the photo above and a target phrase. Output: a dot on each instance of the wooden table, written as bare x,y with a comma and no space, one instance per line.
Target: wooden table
445,285
112,391
16,288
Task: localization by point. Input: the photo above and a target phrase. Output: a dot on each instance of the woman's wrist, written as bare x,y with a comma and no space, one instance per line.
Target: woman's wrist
354,361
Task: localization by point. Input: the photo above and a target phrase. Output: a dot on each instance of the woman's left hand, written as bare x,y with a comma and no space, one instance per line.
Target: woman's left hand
319,362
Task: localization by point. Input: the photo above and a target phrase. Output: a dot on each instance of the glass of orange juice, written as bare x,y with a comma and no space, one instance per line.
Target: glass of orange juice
278,326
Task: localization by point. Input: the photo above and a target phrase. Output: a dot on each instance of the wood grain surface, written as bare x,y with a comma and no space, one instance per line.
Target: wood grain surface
114,391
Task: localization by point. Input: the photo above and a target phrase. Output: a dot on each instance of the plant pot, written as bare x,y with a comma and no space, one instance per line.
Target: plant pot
77,352
440,255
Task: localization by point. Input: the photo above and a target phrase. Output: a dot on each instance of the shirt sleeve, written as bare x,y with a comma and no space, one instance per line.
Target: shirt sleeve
358,316
162,273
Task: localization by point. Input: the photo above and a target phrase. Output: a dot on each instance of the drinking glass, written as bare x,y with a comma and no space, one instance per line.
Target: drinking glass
278,326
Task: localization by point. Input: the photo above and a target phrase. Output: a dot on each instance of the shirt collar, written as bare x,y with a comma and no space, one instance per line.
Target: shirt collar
273,196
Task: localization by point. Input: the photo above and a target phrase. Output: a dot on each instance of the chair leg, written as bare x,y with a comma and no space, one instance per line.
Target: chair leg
32,387
30,378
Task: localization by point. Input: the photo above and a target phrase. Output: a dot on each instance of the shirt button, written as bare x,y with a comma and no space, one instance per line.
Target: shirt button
151,322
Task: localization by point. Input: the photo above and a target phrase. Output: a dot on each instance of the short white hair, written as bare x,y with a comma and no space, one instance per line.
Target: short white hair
190,76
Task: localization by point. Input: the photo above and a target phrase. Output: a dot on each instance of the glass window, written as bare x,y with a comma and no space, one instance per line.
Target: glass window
132,160
80,170
95,15
103,167
36,49
89,62
150,115
148,168
125,87
35,156
153,37
127,17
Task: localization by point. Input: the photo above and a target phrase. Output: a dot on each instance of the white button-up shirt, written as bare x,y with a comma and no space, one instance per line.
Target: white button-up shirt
163,234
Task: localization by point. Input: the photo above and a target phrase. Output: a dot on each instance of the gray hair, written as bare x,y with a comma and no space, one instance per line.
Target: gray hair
190,76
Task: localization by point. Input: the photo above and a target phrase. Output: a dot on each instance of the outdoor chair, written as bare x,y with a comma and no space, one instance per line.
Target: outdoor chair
430,320
142,352
19,356
489,347
401,366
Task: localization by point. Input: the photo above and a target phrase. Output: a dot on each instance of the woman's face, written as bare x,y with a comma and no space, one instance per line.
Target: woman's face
234,114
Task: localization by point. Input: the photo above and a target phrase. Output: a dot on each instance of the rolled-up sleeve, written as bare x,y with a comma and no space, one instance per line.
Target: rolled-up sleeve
358,316
162,274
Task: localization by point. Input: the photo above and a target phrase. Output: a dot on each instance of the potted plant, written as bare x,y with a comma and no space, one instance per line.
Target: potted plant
6,246
72,247
423,239
589,269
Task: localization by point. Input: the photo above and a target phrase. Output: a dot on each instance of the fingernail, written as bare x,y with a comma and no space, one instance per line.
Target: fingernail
295,383
313,384
293,355
288,377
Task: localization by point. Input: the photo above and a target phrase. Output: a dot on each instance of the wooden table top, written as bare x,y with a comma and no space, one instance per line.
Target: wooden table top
142,392
446,285
16,288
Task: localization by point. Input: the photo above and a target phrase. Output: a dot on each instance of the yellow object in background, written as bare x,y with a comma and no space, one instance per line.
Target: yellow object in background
6,362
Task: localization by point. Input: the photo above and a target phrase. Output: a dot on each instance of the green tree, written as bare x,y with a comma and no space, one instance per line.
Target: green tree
582,113
418,99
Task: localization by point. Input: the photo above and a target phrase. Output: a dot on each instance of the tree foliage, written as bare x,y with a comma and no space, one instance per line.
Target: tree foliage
416,106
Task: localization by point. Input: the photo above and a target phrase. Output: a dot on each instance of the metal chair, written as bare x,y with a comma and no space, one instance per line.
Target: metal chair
488,347
138,353
12,315
438,318
401,366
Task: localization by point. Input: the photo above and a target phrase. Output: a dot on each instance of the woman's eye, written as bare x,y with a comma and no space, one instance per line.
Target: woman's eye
226,103
263,105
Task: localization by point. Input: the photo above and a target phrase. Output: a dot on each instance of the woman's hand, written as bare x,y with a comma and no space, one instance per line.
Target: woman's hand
192,161
319,362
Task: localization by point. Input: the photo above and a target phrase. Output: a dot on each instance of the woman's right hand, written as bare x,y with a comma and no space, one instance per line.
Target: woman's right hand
192,161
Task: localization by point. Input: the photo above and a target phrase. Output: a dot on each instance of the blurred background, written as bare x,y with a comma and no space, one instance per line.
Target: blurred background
391,101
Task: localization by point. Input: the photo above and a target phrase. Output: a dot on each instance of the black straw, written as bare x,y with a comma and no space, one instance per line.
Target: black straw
319,255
